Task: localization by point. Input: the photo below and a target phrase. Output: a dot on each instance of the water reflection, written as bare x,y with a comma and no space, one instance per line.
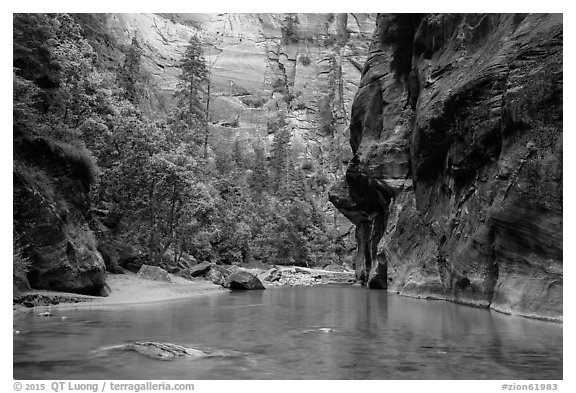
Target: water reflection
293,333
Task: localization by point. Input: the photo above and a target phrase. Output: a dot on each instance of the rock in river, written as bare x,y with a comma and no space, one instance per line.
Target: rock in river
161,351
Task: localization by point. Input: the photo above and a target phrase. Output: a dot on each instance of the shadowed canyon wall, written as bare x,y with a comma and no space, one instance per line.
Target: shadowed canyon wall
455,186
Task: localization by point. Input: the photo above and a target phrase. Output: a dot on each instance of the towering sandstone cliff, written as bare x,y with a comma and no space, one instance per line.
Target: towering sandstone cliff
305,66
455,187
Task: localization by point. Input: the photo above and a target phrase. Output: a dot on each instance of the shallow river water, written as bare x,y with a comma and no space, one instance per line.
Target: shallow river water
291,333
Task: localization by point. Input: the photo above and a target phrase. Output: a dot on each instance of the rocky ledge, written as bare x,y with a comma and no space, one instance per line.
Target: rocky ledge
455,187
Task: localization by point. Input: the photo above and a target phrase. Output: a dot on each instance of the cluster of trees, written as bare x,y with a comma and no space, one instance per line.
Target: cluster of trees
153,183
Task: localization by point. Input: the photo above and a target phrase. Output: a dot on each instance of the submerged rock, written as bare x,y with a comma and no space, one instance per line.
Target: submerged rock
161,351
169,351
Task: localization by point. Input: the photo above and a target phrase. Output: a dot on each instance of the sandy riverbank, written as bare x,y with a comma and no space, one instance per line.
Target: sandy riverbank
126,289
130,289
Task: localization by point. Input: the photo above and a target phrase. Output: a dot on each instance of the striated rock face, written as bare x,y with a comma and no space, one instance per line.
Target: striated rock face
455,187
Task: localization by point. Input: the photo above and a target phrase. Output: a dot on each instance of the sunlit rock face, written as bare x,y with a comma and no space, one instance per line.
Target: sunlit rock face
455,187
302,65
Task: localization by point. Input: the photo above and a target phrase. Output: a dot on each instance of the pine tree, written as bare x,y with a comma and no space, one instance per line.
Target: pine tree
130,71
222,161
259,181
295,187
192,83
279,158
238,153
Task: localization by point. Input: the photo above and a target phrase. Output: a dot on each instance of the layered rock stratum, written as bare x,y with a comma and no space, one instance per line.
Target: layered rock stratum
455,186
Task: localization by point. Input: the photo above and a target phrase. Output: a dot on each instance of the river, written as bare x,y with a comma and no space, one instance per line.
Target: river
324,332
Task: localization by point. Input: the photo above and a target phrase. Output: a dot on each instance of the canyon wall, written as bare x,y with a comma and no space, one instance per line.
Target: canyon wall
455,185
303,66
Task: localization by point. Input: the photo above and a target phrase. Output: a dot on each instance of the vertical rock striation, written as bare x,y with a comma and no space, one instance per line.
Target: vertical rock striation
455,186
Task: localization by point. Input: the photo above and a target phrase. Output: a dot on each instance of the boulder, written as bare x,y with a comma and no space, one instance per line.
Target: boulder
186,262
215,276
153,273
242,280
104,291
200,269
271,275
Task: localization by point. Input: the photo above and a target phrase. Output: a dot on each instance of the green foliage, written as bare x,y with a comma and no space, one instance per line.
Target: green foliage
305,60
193,81
236,207
20,263
279,86
238,154
289,33
33,42
259,180
279,158
129,74
276,122
222,161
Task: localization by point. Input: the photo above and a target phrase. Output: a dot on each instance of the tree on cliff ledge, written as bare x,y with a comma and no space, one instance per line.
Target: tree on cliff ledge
192,84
